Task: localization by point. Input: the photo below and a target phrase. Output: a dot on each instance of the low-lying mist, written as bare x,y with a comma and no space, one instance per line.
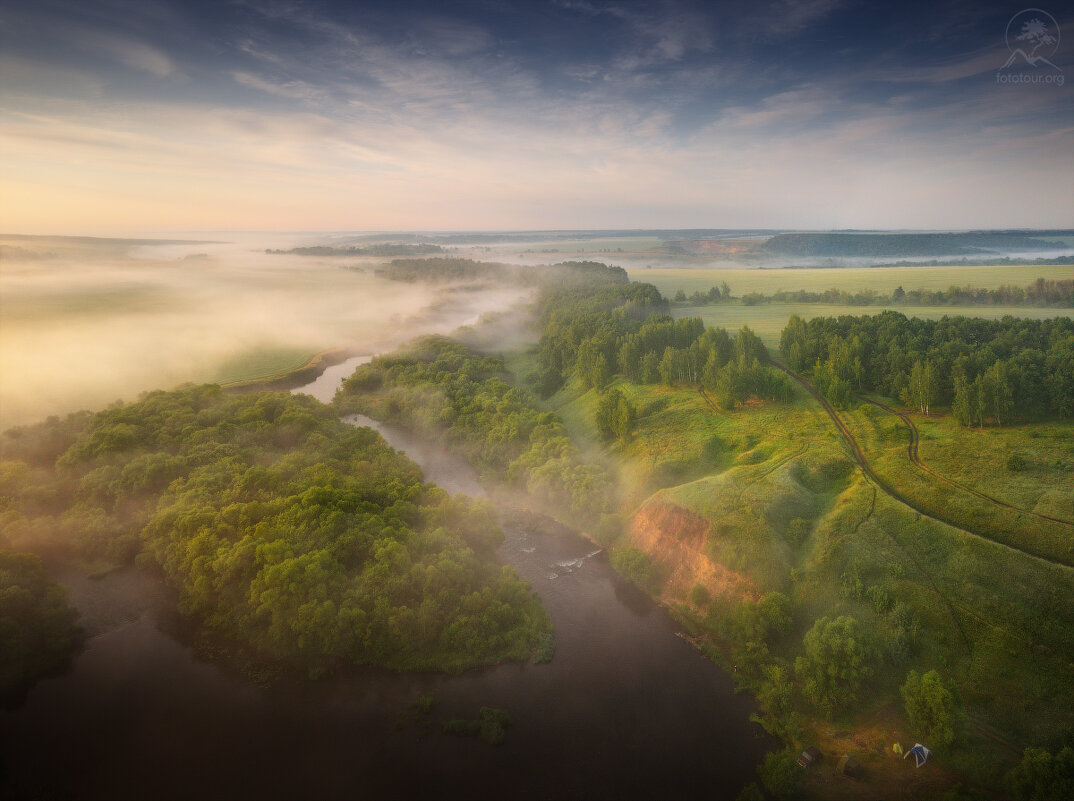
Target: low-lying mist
84,323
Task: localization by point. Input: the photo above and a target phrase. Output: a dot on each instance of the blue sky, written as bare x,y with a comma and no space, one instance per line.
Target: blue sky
139,116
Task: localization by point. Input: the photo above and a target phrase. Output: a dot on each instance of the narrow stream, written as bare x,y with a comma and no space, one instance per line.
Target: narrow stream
626,709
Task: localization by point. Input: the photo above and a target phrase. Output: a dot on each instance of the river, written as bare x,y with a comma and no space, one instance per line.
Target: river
626,709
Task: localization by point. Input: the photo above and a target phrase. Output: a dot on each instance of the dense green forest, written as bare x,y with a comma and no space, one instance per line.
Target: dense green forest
442,388
301,537
37,627
987,370
623,330
1041,292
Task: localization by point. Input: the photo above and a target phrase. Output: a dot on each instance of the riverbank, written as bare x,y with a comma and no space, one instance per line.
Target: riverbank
139,705
293,378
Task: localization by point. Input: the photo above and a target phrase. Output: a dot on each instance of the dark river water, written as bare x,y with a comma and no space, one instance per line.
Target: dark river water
626,709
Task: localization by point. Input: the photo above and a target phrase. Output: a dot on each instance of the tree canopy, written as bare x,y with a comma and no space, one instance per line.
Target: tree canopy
930,706
443,389
304,538
987,370
37,627
836,660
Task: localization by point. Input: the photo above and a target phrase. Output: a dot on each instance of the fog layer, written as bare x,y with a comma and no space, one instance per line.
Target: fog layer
85,323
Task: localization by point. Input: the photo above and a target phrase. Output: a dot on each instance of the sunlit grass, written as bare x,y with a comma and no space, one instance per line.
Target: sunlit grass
850,279
997,622
261,363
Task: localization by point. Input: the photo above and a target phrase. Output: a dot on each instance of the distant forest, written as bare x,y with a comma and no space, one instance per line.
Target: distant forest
990,261
911,244
1041,292
447,270
383,251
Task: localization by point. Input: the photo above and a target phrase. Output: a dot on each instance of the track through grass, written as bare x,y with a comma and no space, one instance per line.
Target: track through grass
863,462
915,459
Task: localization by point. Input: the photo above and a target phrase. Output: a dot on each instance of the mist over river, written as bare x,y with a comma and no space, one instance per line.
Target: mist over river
86,322
626,709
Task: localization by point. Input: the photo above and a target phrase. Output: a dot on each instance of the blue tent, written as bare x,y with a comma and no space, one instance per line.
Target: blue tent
920,752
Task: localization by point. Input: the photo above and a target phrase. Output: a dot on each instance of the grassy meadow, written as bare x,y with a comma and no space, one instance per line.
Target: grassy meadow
261,363
784,508
978,459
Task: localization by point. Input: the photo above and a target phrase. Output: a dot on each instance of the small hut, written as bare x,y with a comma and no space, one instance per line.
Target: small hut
811,756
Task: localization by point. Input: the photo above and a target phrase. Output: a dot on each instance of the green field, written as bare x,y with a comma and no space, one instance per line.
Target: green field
261,363
850,279
769,319
996,622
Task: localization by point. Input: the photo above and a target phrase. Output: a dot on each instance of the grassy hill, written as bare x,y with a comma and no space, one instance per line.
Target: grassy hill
730,508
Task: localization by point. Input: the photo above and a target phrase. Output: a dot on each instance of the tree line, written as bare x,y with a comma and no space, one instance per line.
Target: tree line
931,244
444,270
625,330
997,371
1042,292
384,250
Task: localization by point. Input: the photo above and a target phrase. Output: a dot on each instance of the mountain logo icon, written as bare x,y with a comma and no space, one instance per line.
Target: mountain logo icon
1033,38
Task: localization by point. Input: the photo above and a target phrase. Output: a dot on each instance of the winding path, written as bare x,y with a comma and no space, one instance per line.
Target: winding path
912,453
705,397
883,484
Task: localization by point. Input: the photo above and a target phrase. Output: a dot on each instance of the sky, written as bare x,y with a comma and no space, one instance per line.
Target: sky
308,115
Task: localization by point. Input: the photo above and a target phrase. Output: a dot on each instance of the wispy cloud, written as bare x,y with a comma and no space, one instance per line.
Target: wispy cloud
294,90
787,17
123,50
310,116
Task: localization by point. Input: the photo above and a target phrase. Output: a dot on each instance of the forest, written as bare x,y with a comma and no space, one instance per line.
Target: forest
305,540
901,244
986,370
1041,292
624,330
442,388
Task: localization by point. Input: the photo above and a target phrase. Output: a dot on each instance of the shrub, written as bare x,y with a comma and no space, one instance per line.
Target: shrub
699,596
782,775
930,706
797,531
491,725
1042,776
836,661
635,564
